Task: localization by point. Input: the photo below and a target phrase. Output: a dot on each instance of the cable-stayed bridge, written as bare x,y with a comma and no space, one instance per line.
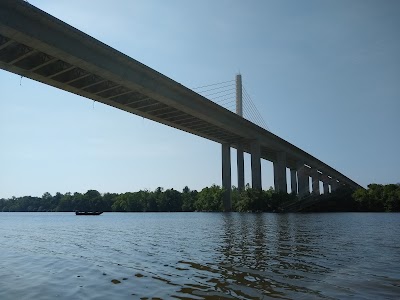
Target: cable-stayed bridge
234,97
36,45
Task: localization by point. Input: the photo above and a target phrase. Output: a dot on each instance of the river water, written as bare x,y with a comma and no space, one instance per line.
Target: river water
199,256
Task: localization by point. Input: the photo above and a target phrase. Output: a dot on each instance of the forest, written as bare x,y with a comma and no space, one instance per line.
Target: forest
376,198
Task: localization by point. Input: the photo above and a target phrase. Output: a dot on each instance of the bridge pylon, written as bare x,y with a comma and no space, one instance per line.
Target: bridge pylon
239,149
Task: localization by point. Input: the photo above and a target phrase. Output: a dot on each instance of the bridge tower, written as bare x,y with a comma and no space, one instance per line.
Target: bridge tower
254,145
226,154
239,111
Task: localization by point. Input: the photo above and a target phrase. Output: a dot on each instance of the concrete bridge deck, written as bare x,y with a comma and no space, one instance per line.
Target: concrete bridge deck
36,45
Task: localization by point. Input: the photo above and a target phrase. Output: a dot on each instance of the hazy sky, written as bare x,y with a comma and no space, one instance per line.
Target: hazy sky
325,75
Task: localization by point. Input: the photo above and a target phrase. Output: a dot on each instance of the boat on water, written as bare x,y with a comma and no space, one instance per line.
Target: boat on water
88,213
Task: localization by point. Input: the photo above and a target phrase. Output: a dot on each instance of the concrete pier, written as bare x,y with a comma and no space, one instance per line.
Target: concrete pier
293,180
255,164
226,176
240,167
302,177
325,186
315,182
280,172
334,185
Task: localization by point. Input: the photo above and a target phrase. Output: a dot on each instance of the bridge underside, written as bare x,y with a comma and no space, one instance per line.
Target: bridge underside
33,63
36,45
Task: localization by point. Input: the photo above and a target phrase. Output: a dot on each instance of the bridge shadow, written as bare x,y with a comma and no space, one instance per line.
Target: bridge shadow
340,200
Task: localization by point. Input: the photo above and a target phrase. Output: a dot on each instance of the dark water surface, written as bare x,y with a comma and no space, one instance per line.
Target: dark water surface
199,256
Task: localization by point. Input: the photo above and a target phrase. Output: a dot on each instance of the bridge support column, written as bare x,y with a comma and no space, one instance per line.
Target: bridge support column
293,181
240,167
302,178
315,182
226,176
256,165
280,181
326,187
334,185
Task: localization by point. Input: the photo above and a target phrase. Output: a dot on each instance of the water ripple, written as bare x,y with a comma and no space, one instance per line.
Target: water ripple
199,256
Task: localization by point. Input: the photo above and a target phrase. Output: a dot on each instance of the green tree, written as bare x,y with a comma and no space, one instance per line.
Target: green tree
66,203
120,203
210,199
109,199
188,199
47,202
173,200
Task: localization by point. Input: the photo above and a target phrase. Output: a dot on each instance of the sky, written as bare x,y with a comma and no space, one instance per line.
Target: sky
324,75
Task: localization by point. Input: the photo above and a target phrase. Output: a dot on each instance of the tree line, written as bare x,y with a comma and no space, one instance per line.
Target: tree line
378,197
159,200
375,198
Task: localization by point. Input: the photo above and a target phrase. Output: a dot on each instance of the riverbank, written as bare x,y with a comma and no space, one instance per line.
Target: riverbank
377,198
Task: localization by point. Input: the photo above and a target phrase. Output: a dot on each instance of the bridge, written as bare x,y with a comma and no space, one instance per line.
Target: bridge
39,46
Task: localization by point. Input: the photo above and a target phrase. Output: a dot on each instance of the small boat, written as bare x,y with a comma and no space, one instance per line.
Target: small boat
88,213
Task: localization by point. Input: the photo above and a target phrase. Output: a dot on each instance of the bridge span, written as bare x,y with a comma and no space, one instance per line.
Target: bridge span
39,46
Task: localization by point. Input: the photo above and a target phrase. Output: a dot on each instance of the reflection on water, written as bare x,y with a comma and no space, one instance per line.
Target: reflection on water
266,257
199,256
